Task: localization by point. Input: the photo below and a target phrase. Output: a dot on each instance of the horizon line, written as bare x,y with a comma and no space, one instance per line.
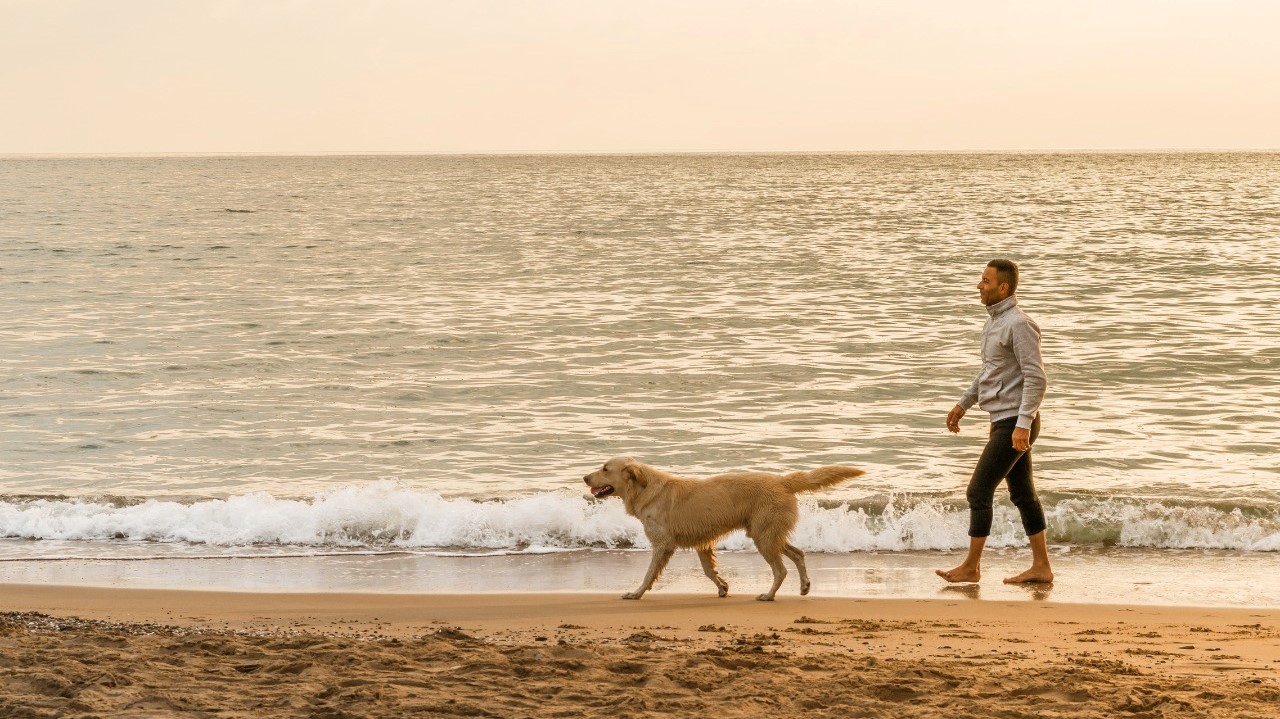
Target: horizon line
616,153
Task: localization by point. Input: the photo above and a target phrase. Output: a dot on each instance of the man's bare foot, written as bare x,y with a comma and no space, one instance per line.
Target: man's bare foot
1034,575
960,574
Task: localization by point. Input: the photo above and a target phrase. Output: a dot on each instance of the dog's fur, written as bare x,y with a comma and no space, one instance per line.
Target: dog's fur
695,513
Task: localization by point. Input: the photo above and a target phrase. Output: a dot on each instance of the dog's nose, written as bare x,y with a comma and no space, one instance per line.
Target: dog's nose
587,479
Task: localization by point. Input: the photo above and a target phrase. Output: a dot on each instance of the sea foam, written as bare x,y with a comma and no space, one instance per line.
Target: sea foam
388,516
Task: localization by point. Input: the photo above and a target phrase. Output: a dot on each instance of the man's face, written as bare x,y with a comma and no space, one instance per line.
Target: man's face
990,289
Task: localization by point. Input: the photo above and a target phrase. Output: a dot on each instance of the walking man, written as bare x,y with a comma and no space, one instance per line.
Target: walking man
1009,387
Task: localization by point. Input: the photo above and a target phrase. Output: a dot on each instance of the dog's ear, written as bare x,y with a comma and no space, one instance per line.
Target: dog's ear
635,473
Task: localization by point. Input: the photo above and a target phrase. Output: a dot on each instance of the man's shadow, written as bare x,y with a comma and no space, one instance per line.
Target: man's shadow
968,591
1037,592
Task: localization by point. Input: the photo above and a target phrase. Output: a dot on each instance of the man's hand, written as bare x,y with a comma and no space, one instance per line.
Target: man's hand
1021,439
953,419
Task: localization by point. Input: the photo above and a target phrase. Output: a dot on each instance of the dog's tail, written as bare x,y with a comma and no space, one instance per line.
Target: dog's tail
819,478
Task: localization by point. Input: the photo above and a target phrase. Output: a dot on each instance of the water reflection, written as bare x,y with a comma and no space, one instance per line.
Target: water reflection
968,591
1191,579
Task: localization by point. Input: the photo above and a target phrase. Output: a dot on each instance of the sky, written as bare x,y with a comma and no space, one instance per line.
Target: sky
321,76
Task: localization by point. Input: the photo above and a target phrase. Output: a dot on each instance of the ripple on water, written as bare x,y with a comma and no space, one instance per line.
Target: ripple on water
451,322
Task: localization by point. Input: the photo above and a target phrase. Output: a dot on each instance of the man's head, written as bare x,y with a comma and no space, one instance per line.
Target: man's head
999,281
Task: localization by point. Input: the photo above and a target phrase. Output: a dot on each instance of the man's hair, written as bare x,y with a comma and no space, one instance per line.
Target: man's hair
1006,271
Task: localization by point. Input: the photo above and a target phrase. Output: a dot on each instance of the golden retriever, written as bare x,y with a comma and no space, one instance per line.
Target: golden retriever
695,513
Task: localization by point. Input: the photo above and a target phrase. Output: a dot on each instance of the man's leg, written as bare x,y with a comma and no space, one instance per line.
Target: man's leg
970,570
1040,571
997,457
1022,492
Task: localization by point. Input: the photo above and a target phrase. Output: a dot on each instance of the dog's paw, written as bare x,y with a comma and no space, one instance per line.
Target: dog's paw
765,598
724,591
804,588
632,595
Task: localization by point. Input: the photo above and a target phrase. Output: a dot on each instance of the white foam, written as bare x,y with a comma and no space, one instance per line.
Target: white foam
385,515
1159,525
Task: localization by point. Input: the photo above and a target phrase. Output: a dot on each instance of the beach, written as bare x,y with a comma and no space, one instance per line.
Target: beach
329,366
83,651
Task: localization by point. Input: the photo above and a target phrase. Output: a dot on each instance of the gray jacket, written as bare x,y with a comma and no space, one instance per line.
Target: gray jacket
1012,382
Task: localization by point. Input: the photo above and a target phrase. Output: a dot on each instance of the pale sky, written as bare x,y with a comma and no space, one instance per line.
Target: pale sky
310,76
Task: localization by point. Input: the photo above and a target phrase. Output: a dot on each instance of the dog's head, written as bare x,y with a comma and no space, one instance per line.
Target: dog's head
620,474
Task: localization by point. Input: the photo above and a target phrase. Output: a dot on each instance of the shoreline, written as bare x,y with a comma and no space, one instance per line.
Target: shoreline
135,652
1130,577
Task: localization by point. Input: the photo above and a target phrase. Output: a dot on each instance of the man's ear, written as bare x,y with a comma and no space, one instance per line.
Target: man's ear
634,473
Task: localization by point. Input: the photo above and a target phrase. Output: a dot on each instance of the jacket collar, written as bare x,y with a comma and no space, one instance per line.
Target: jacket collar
1003,306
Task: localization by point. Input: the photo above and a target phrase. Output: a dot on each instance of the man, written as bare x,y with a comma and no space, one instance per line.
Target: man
1010,387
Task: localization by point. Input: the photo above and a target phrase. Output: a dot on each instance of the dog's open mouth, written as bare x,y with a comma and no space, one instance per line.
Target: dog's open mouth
604,491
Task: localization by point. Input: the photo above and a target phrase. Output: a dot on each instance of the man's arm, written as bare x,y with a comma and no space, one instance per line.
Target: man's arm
970,396
1025,341
967,400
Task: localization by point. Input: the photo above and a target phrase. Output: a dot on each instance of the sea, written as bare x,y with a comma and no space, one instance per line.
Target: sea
391,372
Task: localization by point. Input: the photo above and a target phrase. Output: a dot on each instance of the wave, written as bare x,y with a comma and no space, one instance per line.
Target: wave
385,516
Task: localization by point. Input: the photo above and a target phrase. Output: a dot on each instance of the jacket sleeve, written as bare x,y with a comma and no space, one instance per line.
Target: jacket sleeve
970,396
1025,341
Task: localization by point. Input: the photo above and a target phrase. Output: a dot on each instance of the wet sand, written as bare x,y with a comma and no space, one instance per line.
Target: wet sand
81,652
1086,576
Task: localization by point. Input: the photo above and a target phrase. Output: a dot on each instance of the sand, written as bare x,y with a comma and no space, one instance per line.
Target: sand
86,652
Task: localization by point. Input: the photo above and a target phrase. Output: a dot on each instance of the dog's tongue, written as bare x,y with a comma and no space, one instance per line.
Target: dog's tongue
597,491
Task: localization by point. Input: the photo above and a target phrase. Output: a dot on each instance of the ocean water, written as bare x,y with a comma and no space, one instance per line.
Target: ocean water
210,357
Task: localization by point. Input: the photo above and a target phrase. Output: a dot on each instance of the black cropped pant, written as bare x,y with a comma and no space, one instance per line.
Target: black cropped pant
1000,461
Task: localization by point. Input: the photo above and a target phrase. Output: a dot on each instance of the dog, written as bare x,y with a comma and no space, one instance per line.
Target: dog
695,513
